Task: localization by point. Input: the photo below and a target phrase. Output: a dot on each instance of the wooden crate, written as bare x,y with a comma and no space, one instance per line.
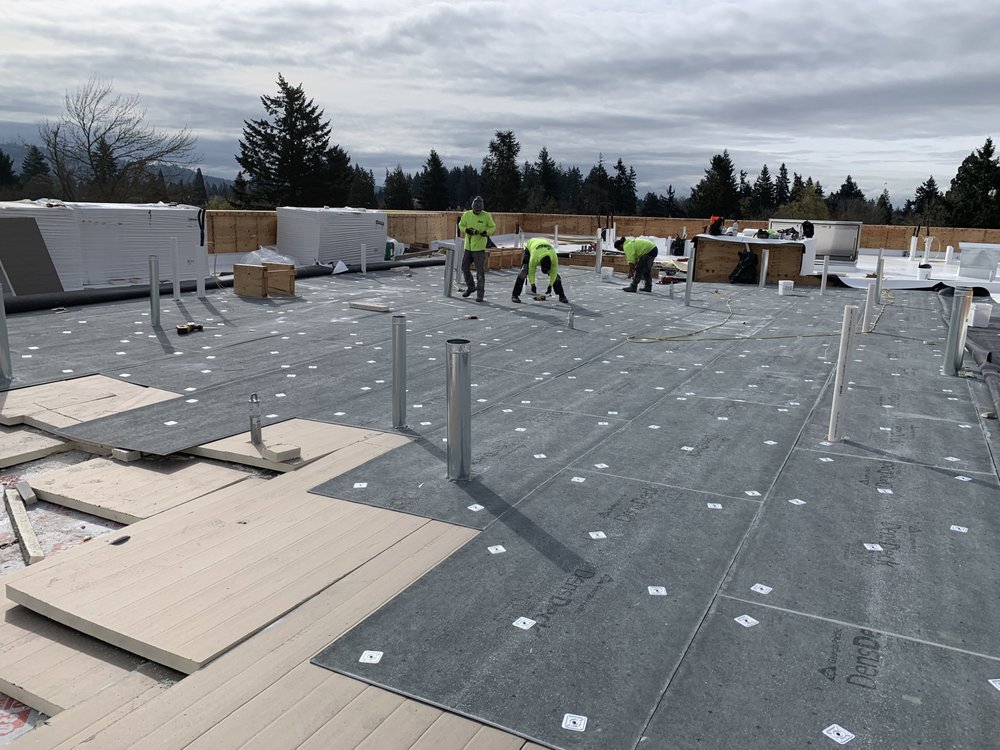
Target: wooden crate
250,280
714,260
280,278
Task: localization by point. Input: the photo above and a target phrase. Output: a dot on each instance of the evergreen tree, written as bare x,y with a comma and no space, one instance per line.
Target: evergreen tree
199,194
653,204
717,193
928,206
883,208
570,189
7,176
287,156
974,197
548,182
798,186
848,203
434,184
396,192
501,177
34,164
362,193
762,200
595,193
782,186
623,195
463,186
671,207
240,192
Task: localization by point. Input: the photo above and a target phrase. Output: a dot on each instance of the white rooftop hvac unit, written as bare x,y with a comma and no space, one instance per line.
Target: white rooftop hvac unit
118,238
40,247
326,235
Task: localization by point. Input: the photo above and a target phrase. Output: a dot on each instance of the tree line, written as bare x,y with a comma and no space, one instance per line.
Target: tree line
101,149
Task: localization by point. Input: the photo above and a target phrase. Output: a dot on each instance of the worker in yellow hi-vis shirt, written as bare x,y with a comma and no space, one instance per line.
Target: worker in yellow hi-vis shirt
476,225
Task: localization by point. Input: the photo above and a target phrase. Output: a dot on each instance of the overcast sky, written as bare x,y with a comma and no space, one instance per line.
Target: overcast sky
889,92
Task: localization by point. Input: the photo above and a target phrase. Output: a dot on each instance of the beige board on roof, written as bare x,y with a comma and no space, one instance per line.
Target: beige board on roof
315,439
207,574
69,402
264,693
19,444
129,492
51,667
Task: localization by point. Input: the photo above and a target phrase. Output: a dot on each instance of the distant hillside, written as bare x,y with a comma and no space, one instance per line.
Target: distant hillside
16,152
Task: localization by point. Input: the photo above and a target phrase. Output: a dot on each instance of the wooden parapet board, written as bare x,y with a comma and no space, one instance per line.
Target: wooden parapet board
315,439
240,231
185,586
130,492
50,667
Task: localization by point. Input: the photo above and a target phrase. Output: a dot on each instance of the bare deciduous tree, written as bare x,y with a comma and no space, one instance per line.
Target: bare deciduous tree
103,149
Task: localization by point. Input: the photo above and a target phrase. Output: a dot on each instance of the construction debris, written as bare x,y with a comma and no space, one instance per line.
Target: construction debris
373,306
31,550
27,494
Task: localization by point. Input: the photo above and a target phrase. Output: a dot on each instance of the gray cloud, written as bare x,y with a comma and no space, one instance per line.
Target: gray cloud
890,93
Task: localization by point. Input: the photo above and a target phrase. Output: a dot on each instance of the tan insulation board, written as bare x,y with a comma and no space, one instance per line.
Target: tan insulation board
316,439
50,667
69,402
264,693
207,574
18,444
129,492
31,550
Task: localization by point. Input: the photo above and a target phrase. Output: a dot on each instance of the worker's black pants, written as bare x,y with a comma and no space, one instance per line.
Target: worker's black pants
479,258
644,271
523,275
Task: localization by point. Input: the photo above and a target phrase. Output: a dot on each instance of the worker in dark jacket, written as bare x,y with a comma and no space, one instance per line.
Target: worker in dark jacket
639,253
476,225
538,253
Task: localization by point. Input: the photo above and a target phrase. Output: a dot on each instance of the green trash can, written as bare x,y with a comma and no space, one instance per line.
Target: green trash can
388,250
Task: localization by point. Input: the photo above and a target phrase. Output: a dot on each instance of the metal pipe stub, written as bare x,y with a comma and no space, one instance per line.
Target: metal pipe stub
459,400
255,434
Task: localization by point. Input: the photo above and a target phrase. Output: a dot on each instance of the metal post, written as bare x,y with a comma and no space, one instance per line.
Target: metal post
154,291
955,347
6,366
255,436
399,371
176,258
765,253
689,277
449,267
458,395
201,271
671,287
569,320
879,271
599,244
928,242
826,268
840,380
364,260
555,238
869,306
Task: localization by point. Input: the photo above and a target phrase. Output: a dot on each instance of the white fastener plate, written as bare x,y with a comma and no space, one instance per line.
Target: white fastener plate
574,722
746,621
525,623
760,588
838,734
371,657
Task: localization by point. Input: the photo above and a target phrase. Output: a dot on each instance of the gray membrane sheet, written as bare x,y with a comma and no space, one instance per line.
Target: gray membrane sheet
601,644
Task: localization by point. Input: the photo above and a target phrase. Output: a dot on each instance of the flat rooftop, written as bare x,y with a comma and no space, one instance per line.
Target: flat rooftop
658,546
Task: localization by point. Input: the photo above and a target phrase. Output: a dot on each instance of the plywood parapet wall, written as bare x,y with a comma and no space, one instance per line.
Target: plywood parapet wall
241,231
245,231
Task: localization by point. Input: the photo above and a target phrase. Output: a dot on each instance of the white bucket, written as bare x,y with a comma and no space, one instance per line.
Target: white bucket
606,273
785,287
923,273
979,315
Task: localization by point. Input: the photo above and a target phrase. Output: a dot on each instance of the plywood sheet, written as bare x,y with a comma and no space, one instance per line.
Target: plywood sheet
69,402
20,444
50,667
129,492
210,573
315,439
221,702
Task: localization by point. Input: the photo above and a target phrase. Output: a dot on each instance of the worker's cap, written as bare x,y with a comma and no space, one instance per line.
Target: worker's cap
477,204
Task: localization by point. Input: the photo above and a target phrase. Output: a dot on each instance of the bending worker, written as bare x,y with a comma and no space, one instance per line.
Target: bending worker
538,253
639,253
477,226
